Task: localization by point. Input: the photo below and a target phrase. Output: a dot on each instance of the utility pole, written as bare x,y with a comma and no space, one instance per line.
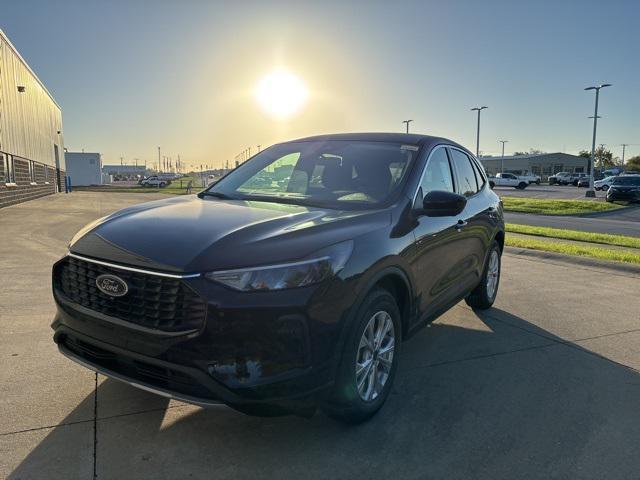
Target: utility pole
624,147
158,183
478,109
590,191
407,122
502,160
121,161
258,148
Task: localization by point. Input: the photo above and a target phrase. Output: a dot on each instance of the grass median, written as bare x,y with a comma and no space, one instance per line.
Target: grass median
579,236
600,253
556,207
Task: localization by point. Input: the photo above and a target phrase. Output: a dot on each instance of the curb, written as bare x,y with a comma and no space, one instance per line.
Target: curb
575,260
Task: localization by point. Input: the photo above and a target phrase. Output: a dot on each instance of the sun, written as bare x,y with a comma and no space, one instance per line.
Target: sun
281,94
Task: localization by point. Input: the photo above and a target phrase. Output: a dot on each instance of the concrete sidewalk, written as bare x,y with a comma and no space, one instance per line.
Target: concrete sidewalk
544,385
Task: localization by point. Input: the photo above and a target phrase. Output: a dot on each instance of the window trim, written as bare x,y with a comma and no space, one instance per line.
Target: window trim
471,159
9,170
454,178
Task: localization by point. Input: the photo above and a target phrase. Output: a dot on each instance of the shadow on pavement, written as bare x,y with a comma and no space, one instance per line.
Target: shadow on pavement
494,397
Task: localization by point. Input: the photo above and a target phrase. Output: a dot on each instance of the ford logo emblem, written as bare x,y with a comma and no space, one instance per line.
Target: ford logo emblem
112,285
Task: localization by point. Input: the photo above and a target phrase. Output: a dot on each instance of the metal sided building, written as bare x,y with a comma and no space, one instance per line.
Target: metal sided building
31,142
83,169
543,164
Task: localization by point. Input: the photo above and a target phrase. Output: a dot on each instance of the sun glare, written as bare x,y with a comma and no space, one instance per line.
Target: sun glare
281,94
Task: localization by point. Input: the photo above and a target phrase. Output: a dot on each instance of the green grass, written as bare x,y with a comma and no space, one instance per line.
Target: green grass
602,238
555,207
569,249
176,188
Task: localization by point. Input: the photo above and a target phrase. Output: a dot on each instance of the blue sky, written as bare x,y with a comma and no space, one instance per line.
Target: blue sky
132,75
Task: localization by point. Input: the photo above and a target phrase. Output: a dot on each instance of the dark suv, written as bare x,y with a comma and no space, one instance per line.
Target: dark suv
291,282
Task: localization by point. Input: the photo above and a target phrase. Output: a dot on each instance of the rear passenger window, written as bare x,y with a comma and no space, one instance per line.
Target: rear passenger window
467,184
480,179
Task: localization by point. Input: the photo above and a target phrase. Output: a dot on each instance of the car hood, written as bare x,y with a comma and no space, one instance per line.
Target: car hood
189,234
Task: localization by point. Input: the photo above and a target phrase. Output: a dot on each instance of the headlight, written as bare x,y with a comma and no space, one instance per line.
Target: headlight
313,269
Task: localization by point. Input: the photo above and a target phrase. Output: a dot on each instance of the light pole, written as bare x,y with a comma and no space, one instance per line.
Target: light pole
502,159
407,122
478,109
590,191
624,147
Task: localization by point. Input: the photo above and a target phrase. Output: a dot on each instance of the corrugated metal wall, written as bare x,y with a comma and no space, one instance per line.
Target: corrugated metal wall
29,120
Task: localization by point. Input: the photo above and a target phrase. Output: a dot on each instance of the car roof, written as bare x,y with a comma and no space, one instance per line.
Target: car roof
402,138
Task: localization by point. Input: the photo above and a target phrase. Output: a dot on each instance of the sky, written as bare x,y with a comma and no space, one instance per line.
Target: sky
132,75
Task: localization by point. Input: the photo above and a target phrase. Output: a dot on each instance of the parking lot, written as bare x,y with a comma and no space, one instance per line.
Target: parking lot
563,192
544,385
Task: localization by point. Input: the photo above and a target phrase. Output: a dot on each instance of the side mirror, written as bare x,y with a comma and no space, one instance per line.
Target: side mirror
439,203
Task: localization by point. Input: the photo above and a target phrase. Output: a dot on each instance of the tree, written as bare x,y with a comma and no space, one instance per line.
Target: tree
604,157
532,151
633,163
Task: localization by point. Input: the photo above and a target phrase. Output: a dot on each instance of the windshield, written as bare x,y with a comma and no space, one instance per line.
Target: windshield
331,174
627,181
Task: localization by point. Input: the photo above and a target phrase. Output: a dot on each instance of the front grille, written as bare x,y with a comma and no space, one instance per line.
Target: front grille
152,301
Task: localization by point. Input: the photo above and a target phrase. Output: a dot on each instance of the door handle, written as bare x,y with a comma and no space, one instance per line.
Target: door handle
461,224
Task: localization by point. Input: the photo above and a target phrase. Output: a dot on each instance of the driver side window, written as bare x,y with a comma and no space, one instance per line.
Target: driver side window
437,175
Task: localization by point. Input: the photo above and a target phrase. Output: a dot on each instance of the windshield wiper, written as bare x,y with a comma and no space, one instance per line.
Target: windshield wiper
219,195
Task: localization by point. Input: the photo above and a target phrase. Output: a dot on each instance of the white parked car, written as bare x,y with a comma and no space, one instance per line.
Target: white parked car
154,181
530,178
603,184
508,180
561,178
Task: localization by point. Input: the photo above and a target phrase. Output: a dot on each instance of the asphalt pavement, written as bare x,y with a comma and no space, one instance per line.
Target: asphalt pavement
625,221
544,385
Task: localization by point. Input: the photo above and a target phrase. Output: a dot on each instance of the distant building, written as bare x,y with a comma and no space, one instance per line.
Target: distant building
543,164
31,147
124,172
83,169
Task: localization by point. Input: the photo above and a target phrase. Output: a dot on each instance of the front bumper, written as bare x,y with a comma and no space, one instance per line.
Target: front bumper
277,348
631,195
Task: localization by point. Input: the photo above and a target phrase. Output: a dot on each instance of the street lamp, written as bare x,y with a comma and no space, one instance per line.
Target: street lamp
624,147
478,109
590,191
407,122
502,160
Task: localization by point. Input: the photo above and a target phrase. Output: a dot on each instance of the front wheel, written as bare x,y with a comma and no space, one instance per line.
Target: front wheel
483,296
369,360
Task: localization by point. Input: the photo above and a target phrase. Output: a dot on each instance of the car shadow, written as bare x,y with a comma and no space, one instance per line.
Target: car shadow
487,395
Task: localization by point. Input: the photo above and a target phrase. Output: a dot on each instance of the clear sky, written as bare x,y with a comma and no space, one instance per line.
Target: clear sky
131,74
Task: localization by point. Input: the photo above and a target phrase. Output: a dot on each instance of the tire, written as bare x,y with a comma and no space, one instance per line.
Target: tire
483,296
604,188
162,184
350,404
537,182
521,186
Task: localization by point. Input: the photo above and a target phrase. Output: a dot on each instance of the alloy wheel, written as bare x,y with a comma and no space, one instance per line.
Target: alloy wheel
375,356
493,273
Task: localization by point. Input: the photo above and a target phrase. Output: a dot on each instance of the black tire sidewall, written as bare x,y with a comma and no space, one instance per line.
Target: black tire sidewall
346,398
